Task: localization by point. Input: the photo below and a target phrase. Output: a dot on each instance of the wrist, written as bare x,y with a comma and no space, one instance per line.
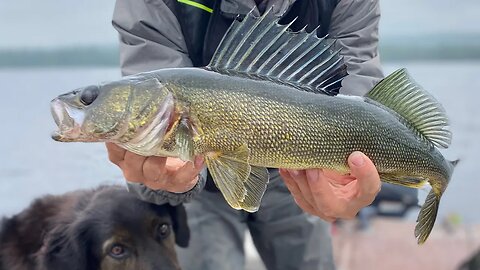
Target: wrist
186,188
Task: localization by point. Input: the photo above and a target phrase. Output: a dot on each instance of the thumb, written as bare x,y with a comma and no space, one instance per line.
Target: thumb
364,170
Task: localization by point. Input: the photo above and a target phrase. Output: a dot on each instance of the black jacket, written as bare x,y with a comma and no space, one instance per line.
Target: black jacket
203,30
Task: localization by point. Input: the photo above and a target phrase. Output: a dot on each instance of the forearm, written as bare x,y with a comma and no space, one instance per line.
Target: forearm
355,26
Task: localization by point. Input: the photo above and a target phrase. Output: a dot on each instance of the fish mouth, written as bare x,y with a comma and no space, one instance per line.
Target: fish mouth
68,119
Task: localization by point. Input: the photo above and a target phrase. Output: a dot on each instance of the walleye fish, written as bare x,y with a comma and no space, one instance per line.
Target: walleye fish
268,98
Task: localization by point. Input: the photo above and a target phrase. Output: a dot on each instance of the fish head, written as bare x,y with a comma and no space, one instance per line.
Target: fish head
118,111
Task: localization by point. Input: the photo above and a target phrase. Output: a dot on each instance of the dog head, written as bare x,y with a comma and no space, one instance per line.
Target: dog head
114,230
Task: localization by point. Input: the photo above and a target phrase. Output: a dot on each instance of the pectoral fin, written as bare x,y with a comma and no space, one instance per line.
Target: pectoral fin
184,141
242,185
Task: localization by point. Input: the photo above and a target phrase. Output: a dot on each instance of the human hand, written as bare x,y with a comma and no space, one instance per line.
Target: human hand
331,195
165,173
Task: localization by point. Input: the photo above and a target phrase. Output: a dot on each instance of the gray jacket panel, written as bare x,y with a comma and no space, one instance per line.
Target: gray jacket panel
355,26
151,38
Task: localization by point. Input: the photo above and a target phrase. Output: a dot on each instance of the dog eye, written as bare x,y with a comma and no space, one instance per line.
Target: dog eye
163,230
118,251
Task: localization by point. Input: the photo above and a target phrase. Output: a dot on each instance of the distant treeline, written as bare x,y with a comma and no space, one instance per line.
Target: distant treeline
445,47
70,56
391,49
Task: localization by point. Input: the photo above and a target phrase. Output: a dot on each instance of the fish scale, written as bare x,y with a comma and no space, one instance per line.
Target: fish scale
264,124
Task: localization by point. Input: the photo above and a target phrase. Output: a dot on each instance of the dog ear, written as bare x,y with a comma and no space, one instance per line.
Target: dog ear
67,246
57,249
4,232
19,240
180,225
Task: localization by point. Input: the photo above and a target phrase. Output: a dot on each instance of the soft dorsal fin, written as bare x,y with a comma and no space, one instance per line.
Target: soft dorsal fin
260,48
420,110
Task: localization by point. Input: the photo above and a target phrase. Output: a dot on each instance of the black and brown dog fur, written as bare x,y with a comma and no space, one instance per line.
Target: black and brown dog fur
106,228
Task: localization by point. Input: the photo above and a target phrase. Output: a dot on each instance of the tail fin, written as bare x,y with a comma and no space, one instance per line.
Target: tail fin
454,163
427,217
428,213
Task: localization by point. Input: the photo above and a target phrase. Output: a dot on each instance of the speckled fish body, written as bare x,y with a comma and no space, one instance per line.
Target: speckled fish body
286,128
262,103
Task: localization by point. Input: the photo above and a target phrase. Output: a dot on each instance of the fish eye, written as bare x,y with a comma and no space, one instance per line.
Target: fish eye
163,230
88,95
118,251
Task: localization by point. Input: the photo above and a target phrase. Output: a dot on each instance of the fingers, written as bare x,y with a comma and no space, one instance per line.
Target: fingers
155,172
331,195
171,174
153,168
290,177
364,170
131,164
325,195
185,177
297,183
338,179
132,167
291,183
115,153
301,180
187,169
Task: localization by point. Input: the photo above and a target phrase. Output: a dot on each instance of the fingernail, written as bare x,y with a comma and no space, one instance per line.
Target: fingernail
294,173
356,158
198,162
312,175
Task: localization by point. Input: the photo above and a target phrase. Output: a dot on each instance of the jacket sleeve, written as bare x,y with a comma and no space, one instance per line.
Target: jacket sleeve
162,196
151,38
355,24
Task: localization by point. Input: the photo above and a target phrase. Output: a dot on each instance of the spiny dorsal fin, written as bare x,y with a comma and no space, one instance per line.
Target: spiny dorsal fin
420,110
260,48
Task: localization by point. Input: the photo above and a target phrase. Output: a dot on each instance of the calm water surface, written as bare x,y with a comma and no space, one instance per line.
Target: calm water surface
31,164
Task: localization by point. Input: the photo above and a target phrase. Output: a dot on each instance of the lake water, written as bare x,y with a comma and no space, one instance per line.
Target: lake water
32,164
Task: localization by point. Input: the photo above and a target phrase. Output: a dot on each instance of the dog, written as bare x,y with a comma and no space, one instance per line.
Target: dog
105,228
472,263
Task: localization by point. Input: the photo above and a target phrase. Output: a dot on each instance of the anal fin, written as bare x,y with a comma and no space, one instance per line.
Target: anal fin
411,182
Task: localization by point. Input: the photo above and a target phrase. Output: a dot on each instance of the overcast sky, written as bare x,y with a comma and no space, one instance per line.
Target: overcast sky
47,23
